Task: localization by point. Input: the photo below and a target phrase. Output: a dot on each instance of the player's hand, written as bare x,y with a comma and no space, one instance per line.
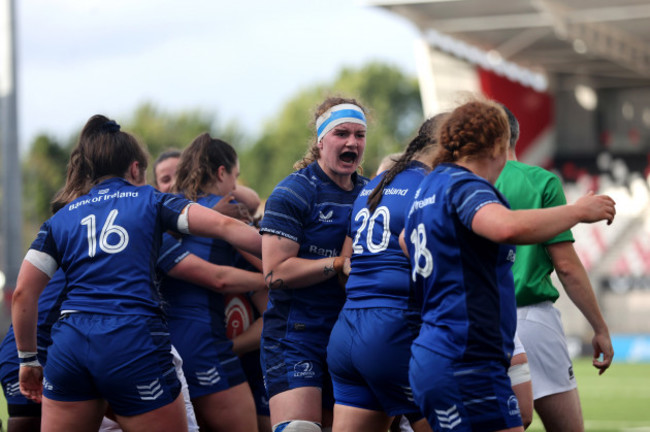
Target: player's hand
342,267
244,214
602,344
227,207
31,382
594,208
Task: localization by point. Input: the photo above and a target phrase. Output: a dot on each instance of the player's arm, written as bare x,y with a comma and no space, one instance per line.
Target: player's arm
402,244
230,207
249,340
206,222
219,278
502,225
248,197
577,285
35,272
522,386
24,305
247,201
238,211
346,254
283,269
251,259
346,249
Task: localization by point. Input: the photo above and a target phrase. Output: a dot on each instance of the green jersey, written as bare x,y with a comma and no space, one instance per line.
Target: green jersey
530,187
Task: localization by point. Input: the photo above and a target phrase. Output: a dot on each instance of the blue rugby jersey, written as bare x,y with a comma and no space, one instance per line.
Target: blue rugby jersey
469,310
185,300
107,244
310,209
380,275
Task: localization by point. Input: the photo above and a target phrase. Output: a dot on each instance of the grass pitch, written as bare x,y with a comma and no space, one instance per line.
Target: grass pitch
617,401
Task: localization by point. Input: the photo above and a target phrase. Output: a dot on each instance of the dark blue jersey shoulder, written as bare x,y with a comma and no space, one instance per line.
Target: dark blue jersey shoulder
185,300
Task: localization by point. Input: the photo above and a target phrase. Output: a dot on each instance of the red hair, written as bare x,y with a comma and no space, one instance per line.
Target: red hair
473,130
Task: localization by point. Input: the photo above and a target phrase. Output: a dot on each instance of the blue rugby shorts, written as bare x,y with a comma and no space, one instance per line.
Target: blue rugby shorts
368,357
125,359
462,396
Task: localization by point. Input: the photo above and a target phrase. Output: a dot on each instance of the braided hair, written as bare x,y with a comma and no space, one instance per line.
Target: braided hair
473,130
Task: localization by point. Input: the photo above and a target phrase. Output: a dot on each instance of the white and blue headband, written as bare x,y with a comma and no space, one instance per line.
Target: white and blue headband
338,114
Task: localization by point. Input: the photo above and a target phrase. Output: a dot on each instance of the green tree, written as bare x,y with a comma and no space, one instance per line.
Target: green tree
391,96
43,175
395,113
161,130
44,166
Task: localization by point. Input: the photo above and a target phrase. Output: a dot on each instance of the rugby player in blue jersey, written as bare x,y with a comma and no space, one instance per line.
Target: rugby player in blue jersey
460,234
206,173
369,349
112,343
304,226
242,203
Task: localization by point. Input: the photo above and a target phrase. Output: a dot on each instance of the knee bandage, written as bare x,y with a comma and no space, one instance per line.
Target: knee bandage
519,374
297,426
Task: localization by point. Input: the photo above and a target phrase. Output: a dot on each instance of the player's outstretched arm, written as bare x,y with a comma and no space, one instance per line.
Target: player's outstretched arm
219,278
206,222
502,225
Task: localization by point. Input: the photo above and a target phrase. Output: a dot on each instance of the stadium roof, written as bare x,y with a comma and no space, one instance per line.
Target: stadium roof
604,41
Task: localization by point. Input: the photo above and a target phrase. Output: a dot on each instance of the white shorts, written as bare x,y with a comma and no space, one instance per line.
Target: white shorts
539,327
519,347
192,425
